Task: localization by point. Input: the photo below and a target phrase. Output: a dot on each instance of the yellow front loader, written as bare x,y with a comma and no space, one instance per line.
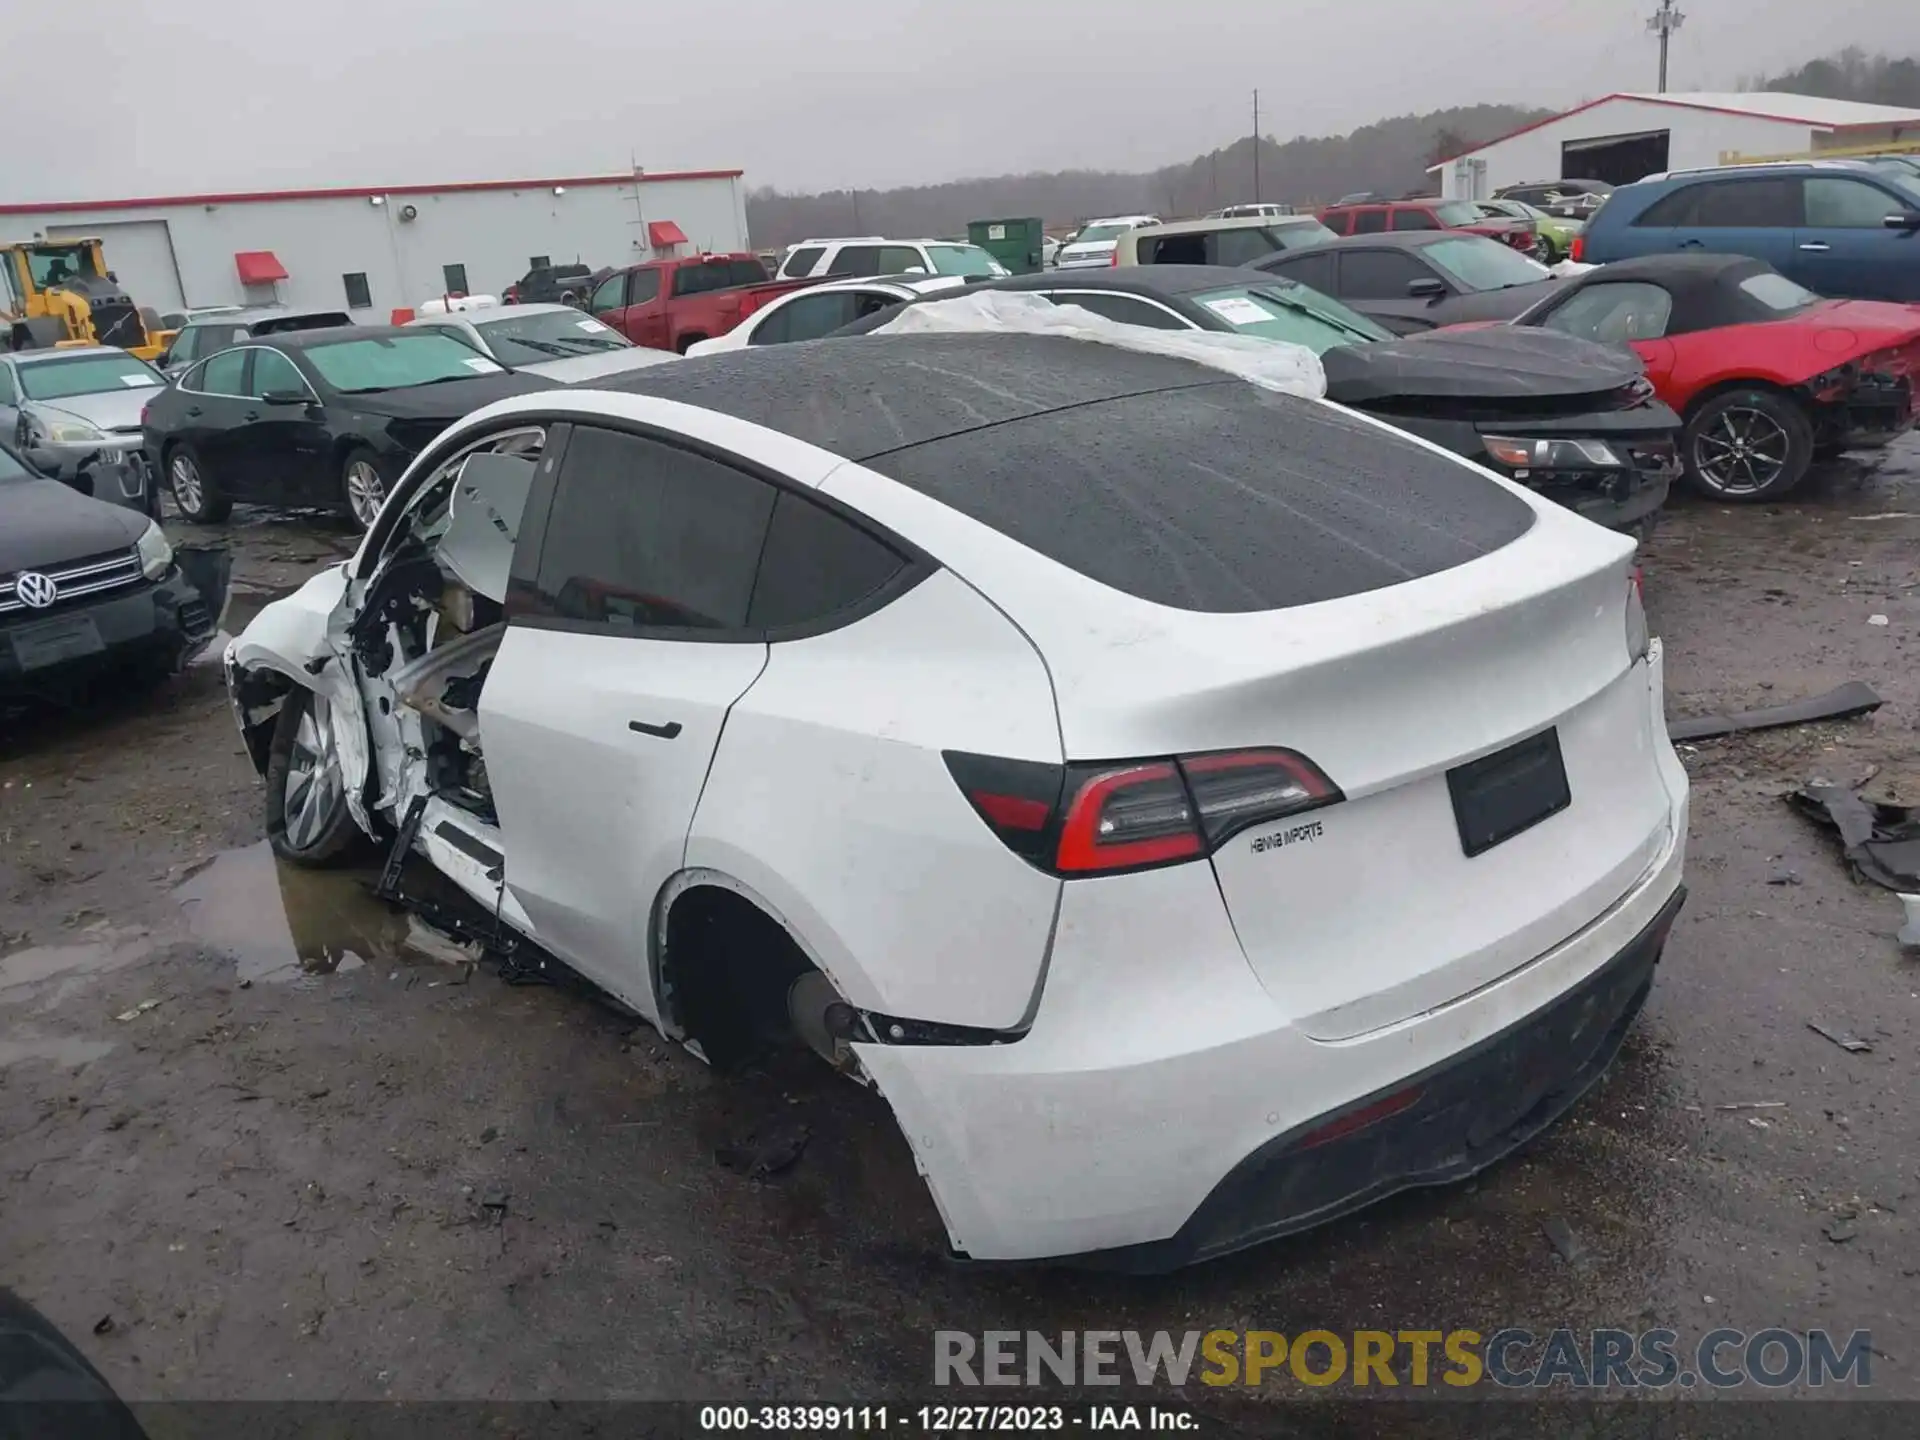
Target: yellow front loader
60,293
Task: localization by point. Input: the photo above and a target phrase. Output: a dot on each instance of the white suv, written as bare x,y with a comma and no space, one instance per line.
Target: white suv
1092,244
864,255
1198,810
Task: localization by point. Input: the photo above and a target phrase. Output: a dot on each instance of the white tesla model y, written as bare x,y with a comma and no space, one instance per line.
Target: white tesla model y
1198,810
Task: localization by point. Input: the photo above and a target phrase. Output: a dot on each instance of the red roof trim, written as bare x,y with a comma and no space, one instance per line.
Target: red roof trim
255,197
258,267
1660,100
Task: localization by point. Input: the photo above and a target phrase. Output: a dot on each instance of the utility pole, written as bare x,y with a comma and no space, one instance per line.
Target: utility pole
1256,147
1663,23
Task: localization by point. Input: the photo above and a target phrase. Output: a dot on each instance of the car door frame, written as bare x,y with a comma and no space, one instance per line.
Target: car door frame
615,316
1149,301
776,460
213,420
290,442
1889,259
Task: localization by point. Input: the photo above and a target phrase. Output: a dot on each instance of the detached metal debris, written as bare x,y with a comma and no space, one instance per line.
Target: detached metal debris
1856,697
1881,842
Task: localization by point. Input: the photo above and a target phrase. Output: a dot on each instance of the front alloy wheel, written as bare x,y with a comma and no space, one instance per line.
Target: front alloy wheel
1748,445
308,821
198,501
366,491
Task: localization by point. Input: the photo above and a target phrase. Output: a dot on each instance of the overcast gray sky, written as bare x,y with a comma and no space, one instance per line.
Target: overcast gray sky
202,95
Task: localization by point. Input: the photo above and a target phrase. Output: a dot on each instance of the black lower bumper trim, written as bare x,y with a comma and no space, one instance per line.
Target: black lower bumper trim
156,628
1435,1127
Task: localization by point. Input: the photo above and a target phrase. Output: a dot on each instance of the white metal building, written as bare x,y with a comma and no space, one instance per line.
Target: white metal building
1622,138
377,250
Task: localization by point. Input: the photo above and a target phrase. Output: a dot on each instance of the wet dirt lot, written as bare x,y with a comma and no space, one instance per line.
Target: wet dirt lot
292,1157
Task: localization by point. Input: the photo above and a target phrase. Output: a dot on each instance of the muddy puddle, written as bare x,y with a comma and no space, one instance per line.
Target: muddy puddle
282,924
67,1051
101,949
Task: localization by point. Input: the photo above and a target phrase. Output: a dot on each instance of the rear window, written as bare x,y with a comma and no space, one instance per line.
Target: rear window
1220,498
802,261
286,324
1778,293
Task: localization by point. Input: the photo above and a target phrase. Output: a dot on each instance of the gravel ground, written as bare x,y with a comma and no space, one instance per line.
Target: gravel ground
327,1165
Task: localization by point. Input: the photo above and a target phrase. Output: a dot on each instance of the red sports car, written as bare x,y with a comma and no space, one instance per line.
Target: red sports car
1766,375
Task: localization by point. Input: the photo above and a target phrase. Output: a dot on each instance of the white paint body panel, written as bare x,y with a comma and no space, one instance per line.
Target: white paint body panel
829,796
596,814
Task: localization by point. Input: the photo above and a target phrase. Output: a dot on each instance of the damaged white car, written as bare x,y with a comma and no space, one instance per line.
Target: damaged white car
1197,809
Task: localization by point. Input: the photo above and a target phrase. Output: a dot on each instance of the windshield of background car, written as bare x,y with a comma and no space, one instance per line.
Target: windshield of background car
1457,212
393,362
1778,293
86,375
548,335
12,469
1293,313
1482,264
963,260
1094,234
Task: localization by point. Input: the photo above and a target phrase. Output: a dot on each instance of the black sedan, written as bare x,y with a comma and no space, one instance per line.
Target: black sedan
87,587
1577,423
1421,280
327,418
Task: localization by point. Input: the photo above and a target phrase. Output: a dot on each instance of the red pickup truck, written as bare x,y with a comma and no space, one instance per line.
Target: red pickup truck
669,304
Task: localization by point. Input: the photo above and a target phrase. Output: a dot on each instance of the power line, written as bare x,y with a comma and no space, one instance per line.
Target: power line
1663,22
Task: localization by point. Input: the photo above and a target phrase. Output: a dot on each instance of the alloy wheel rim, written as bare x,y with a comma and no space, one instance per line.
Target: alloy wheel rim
186,483
365,492
313,775
1742,452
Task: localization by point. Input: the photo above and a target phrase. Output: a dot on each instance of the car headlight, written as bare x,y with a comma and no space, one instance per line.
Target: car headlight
156,555
1518,454
69,432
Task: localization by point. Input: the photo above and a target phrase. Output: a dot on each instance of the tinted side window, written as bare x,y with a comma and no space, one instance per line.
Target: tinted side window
1369,222
185,345
610,294
274,371
808,318
856,260
800,264
1749,205
1414,220
1240,247
1379,274
222,374
1123,309
643,535
1313,271
1671,210
1849,205
899,259
707,275
643,287
815,564
7,395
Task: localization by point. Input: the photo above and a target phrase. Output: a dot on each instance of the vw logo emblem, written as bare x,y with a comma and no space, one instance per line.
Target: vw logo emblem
35,589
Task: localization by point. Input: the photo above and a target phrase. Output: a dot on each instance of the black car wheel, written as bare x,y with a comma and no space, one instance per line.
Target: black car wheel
363,487
1543,250
307,817
1747,445
195,494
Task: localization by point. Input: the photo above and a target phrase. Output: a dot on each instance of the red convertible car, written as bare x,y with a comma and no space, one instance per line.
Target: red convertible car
1767,376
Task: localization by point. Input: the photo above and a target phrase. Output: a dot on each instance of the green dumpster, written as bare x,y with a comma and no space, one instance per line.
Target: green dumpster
1014,243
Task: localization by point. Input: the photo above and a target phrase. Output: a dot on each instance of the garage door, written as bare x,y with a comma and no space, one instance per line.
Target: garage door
140,252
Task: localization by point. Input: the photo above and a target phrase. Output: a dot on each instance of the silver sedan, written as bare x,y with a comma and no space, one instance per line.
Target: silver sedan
557,341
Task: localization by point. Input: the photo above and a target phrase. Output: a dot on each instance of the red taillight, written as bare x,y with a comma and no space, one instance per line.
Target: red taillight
1123,819
1114,259
1577,252
1087,819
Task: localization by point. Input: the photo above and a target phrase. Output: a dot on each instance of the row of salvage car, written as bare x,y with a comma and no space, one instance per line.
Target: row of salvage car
1109,715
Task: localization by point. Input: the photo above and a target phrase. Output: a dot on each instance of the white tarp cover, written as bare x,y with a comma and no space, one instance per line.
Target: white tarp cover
1568,268
1270,364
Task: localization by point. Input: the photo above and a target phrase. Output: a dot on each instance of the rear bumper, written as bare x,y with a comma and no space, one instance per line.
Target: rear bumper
154,627
1155,1113
1874,413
